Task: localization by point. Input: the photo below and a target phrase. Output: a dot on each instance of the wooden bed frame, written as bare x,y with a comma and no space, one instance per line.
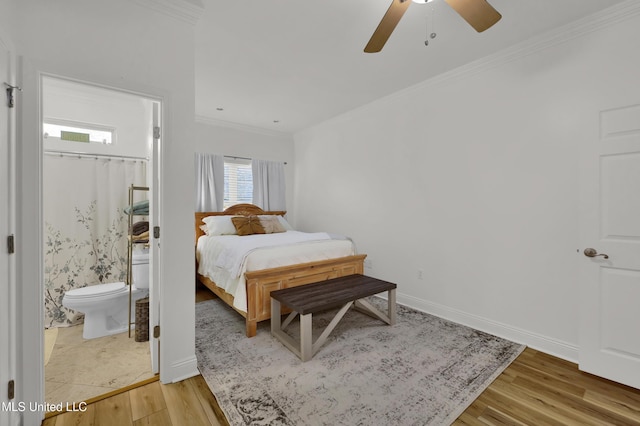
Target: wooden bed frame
261,283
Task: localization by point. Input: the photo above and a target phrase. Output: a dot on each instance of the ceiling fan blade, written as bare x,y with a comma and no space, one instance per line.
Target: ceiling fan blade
387,25
478,13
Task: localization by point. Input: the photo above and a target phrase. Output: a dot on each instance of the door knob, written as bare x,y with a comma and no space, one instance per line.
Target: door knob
591,252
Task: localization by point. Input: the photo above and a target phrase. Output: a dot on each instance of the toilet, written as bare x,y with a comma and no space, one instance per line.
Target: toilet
105,305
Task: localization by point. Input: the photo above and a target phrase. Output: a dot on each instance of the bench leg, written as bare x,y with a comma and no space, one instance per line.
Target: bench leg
306,338
278,333
391,306
306,347
275,316
362,305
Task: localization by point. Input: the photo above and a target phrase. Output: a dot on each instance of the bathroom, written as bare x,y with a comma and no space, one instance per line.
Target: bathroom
97,144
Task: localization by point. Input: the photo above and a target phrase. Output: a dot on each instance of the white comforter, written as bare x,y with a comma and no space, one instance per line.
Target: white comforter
224,259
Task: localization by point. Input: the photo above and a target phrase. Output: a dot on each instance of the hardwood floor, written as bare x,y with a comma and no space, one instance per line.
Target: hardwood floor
188,402
539,389
536,389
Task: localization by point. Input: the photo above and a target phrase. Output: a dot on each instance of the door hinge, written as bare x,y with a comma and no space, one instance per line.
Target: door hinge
156,232
10,100
11,244
11,389
156,132
156,332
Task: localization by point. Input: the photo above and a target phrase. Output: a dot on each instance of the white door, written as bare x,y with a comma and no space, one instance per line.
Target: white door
610,225
154,258
7,280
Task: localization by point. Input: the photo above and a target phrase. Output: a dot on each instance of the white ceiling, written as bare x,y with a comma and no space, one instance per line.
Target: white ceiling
302,62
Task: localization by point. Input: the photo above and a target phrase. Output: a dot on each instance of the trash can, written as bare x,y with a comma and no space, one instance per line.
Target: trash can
142,320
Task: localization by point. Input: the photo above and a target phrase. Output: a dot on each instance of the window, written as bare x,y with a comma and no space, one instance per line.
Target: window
238,182
77,132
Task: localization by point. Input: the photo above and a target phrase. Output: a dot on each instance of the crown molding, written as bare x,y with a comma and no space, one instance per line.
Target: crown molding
590,24
202,119
188,11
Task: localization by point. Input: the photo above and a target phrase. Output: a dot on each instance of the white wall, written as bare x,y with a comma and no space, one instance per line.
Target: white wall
262,145
472,178
6,24
123,44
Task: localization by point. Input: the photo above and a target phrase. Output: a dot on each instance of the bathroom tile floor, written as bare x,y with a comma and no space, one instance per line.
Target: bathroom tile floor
80,369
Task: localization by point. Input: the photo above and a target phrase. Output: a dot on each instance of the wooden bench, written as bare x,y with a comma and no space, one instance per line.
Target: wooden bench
309,299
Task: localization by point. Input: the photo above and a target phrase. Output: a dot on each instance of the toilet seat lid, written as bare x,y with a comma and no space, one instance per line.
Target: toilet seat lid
97,290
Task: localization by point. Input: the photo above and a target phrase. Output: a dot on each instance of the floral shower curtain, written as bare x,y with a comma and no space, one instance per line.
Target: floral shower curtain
85,229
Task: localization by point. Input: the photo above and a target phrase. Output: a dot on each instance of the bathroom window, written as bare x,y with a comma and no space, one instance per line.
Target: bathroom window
77,132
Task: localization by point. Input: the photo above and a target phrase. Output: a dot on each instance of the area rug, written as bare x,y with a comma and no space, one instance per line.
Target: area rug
421,371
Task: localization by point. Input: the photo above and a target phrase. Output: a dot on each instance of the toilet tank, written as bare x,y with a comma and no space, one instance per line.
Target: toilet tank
140,269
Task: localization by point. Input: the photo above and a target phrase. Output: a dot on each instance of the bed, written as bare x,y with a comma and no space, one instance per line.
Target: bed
250,297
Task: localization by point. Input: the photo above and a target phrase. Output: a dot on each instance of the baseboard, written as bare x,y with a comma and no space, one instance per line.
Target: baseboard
180,370
535,341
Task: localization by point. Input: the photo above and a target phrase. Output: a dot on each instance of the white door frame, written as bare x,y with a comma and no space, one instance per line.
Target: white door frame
29,258
155,252
30,263
29,270
8,326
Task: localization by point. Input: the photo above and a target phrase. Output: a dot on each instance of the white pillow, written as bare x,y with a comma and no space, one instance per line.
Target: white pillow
218,225
285,224
271,224
281,219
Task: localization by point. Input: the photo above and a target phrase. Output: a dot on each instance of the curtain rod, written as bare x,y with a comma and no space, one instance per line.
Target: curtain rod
84,154
237,158
242,158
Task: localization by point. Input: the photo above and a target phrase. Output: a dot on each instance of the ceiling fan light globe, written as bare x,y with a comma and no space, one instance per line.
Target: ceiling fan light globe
422,1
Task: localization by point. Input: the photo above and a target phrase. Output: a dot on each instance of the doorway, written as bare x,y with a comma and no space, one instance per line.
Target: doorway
97,143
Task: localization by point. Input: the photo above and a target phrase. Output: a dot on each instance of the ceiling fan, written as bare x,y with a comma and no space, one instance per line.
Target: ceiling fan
478,13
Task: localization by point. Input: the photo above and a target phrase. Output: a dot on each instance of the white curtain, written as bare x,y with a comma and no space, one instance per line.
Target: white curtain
209,182
85,228
268,184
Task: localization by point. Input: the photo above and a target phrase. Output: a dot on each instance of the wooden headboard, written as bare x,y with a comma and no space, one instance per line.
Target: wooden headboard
237,210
